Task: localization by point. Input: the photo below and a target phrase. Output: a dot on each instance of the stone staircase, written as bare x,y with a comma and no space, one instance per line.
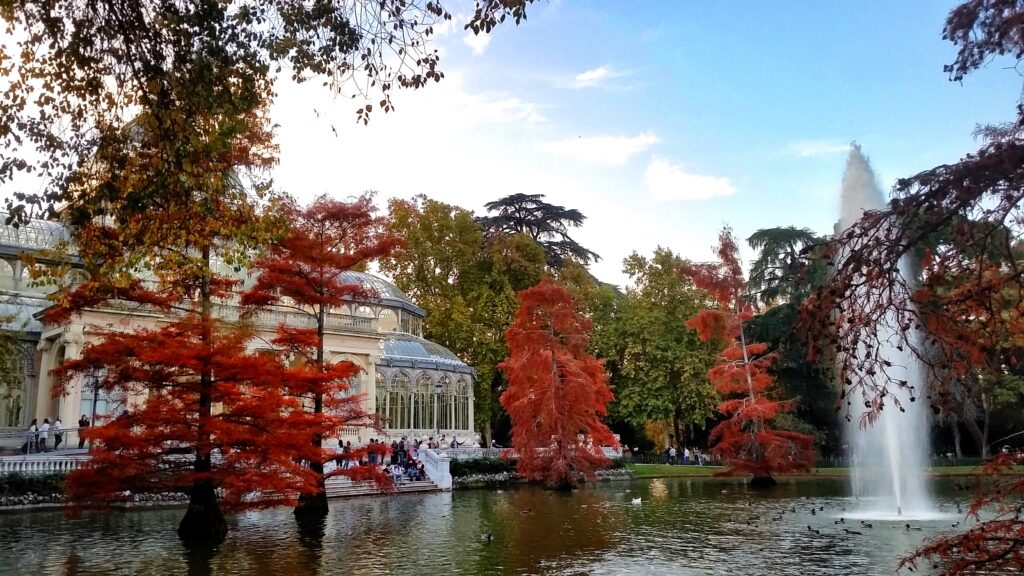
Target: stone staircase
339,487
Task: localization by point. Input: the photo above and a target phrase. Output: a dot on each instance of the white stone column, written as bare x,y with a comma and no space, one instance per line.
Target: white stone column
472,402
71,400
370,400
44,383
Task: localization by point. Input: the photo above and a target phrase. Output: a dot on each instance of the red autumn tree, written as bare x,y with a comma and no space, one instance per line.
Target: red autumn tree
557,393
201,412
745,440
303,273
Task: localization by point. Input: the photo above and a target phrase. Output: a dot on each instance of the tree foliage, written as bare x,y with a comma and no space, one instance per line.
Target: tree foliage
547,224
786,271
303,274
745,440
781,273
78,73
468,287
664,368
966,307
557,392
192,384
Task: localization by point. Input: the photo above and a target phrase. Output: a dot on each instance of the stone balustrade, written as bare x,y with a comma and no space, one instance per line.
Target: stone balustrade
437,466
37,464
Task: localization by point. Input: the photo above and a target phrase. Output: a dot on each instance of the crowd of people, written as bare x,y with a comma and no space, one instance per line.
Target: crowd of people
400,459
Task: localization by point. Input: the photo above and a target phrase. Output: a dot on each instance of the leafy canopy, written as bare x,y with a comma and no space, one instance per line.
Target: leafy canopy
745,440
557,392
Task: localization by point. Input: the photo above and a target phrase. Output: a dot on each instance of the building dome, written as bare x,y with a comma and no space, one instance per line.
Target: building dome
399,349
386,292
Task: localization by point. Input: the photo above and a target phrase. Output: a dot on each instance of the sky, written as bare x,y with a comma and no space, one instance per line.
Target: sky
660,121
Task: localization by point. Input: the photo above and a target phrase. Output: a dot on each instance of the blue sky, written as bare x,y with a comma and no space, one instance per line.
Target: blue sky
661,121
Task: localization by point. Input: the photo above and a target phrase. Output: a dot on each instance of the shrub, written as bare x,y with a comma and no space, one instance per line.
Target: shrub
460,468
21,484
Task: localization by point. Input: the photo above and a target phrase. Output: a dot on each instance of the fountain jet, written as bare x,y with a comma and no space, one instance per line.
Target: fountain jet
888,458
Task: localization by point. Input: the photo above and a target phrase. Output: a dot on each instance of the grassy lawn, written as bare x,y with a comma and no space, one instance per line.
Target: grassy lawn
664,470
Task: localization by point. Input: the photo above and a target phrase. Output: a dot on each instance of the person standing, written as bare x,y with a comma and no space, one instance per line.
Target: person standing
686,455
44,433
58,436
83,422
33,437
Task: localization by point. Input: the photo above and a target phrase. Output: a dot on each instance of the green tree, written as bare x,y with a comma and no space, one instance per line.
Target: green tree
787,269
547,224
663,368
467,287
76,73
782,273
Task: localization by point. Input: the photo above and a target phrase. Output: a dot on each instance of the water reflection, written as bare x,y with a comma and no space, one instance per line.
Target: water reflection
682,526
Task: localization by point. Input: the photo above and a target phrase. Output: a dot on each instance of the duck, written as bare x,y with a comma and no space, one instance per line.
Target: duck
636,500
487,538
814,512
915,528
852,532
812,530
866,524
956,524
840,521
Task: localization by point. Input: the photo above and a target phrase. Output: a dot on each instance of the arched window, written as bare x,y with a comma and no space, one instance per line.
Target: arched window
386,320
463,396
423,403
398,401
446,404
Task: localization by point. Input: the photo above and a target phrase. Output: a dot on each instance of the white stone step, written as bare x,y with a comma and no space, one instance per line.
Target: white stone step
343,488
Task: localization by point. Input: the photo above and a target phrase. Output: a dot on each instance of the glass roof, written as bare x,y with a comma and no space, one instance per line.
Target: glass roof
32,234
401,346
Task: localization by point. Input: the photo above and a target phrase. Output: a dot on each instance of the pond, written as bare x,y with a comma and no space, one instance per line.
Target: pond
681,526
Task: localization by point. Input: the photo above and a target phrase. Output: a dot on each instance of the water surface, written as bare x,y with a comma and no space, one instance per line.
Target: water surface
682,526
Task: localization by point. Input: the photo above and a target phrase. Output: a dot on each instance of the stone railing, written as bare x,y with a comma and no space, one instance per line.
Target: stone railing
437,466
270,319
474,453
36,464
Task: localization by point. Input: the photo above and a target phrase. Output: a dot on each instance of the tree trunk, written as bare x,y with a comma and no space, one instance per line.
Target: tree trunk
986,424
204,524
678,433
976,435
313,505
956,439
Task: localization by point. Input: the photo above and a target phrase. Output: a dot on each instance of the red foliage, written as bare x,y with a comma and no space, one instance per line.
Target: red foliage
745,441
244,431
324,240
557,393
303,272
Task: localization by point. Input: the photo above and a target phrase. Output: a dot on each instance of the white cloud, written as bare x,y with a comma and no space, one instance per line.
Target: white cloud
810,148
478,42
596,76
612,150
667,182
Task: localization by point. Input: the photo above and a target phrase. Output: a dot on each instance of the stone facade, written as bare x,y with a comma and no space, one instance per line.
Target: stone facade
417,386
